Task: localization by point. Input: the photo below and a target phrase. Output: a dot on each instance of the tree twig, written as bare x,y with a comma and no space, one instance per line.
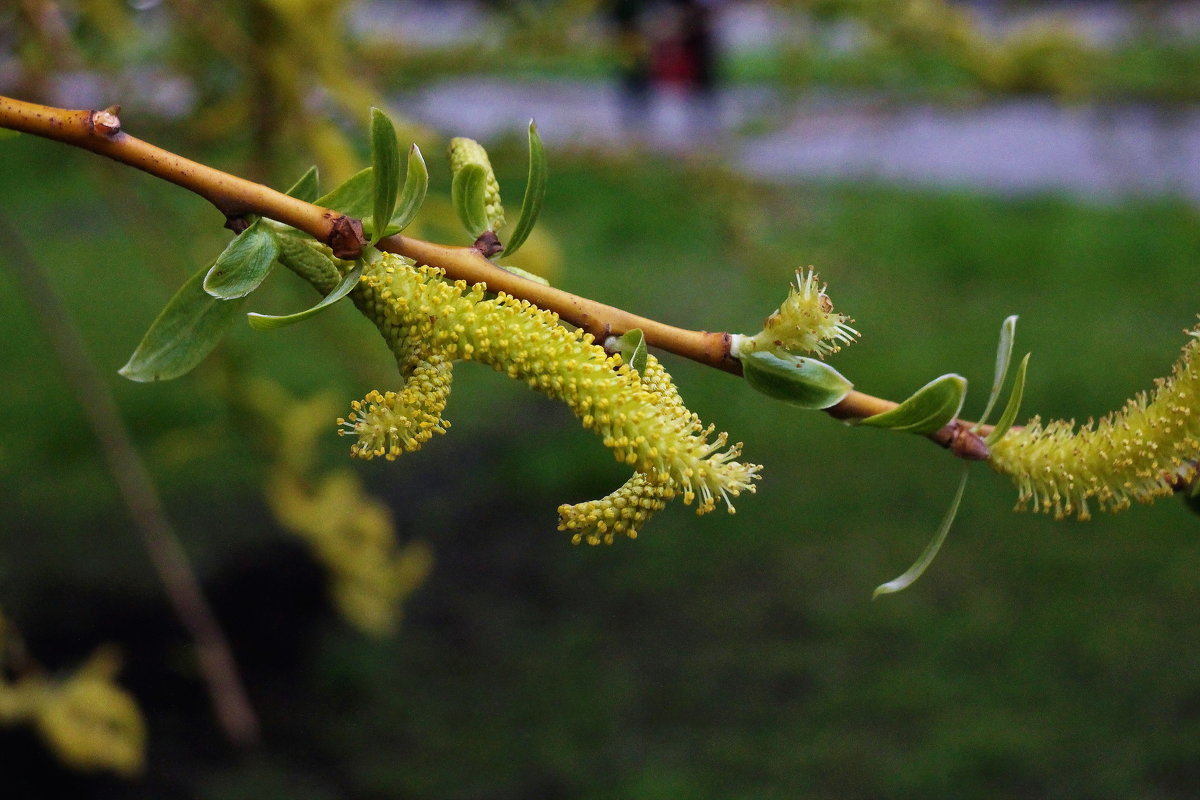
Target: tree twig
100,132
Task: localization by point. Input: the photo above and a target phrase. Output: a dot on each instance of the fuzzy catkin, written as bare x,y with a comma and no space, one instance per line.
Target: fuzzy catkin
624,511
422,315
1140,452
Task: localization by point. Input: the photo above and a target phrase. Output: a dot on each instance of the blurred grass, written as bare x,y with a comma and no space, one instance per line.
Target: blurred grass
719,657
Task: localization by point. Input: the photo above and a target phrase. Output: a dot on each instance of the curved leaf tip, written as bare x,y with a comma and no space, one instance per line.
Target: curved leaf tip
929,409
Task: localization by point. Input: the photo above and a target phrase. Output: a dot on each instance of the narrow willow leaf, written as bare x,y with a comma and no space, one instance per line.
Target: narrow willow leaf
535,192
416,184
467,195
1003,357
633,350
354,197
266,322
385,159
308,188
529,276
1012,407
799,381
185,331
929,408
244,263
931,550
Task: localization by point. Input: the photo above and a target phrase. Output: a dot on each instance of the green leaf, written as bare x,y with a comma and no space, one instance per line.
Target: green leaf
244,263
308,188
633,350
187,329
529,276
929,409
8,133
1012,407
799,381
931,550
354,197
385,159
467,195
535,192
416,184
266,322
1003,357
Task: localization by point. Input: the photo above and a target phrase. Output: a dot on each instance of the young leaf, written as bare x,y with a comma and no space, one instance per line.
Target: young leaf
1012,407
467,195
535,192
416,184
927,410
307,188
931,550
633,350
529,276
385,159
354,197
265,322
1003,357
244,263
799,381
187,329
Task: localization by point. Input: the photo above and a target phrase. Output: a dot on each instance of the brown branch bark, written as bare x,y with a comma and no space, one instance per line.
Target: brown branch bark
100,132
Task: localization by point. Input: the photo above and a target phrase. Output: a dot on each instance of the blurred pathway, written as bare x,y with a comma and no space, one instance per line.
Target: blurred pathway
1011,146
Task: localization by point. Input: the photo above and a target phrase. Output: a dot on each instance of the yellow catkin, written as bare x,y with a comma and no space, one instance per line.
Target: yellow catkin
395,423
624,511
1140,452
804,323
420,313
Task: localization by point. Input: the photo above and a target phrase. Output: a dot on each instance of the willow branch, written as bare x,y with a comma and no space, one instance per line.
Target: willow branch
100,132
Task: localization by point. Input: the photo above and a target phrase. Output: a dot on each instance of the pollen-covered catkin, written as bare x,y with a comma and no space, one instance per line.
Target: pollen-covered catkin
419,313
624,511
394,423
1138,453
621,513
804,323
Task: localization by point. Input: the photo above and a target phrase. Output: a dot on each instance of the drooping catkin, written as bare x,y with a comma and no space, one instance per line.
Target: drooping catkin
1141,452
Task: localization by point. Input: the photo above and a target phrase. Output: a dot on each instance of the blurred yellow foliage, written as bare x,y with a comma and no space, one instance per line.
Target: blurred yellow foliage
350,532
89,721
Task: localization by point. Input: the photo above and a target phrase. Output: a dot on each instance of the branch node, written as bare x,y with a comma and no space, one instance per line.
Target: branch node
105,123
488,244
237,223
346,238
963,442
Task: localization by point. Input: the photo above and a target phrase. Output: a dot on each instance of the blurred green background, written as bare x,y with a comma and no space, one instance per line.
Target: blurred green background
716,657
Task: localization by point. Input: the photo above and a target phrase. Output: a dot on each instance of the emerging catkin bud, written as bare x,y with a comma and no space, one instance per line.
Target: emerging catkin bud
804,323
468,152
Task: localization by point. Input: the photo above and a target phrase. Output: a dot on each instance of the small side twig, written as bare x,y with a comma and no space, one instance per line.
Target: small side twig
128,471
